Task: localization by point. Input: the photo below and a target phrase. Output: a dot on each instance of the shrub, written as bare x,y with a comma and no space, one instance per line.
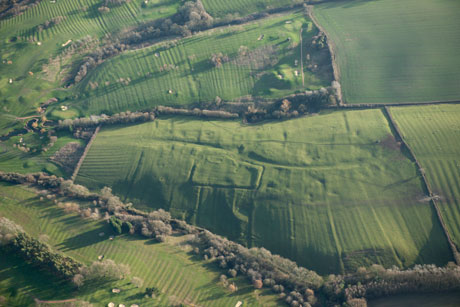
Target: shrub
8,231
137,282
103,271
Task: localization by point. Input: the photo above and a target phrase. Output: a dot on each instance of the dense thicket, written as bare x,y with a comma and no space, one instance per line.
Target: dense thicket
295,105
36,253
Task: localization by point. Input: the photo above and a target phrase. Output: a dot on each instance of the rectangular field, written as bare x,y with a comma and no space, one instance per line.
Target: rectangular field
180,276
395,51
433,133
332,192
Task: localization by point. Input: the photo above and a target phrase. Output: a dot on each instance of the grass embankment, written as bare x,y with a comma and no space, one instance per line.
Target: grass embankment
395,51
168,266
259,59
433,132
332,192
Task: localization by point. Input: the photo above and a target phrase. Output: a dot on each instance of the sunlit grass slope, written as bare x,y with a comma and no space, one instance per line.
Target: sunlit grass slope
260,59
331,191
433,132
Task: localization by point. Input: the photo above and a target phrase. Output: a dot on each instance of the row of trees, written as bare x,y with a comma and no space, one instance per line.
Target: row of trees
376,281
295,105
191,17
15,240
97,56
96,120
161,110
136,117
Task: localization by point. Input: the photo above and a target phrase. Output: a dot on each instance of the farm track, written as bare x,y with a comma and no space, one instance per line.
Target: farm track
83,156
427,185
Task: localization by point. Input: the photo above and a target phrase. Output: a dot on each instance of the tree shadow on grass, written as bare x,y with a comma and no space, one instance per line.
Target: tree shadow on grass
84,239
25,279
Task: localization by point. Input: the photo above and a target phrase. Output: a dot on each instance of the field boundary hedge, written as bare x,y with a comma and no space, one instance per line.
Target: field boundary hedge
83,156
396,104
330,46
432,196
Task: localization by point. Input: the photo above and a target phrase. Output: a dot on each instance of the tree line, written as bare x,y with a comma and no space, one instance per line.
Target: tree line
297,286
11,8
14,240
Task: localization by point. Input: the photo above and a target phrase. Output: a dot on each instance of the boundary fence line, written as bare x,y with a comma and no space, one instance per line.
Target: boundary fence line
427,185
83,156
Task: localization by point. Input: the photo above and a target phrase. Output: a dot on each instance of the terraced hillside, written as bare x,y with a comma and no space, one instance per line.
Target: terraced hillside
332,192
181,278
395,51
260,59
433,132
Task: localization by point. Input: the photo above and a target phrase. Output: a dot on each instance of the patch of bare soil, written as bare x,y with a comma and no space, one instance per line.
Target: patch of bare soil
389,142
68,156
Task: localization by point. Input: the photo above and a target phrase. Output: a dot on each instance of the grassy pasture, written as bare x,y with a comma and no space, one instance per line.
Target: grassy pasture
331,191
19,38
81,18
144,78
395,51
180,277
433,132
221,8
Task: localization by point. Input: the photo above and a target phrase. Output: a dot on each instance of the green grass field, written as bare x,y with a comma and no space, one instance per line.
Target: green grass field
181,72
180,277
221,8
433,132
395,51
331,191
49,62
